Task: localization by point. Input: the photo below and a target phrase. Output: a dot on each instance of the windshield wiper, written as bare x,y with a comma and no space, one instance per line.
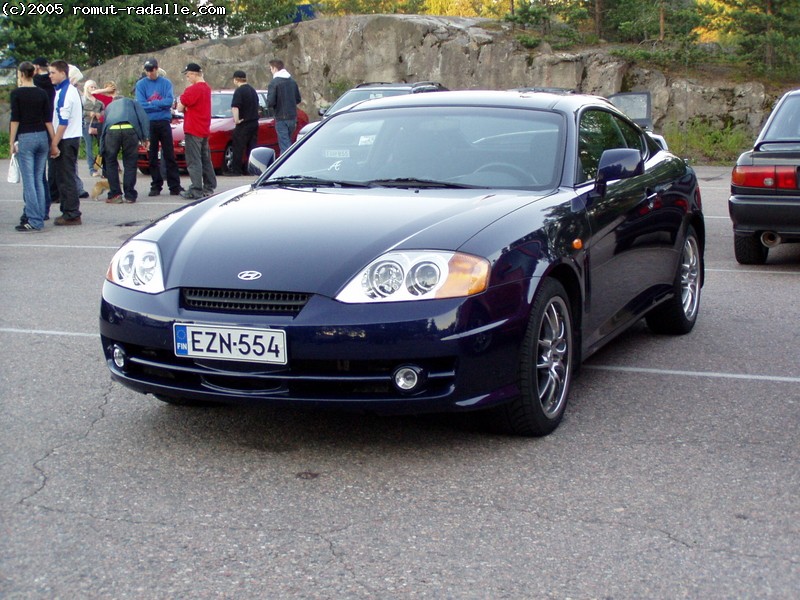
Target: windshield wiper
409,182
304,181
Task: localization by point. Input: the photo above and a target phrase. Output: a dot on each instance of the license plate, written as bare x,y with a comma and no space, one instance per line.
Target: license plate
230,343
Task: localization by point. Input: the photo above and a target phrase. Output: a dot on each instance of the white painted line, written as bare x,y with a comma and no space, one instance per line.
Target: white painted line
754,271
46,332
708,374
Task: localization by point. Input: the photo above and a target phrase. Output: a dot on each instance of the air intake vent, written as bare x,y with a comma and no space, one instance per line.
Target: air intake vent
244,301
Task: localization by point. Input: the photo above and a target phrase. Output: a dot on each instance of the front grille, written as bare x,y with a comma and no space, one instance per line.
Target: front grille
243,301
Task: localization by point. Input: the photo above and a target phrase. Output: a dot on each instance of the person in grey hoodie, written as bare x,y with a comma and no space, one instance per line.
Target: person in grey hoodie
283,96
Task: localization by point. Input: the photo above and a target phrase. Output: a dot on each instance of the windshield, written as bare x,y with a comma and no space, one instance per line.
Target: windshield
457,146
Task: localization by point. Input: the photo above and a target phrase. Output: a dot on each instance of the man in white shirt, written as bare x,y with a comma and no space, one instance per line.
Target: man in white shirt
68,125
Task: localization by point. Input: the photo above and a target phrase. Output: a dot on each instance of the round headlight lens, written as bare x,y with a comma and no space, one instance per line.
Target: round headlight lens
146,268
384,279
423,277
126,265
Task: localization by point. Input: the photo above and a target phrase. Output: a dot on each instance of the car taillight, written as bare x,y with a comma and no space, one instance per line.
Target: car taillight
781,178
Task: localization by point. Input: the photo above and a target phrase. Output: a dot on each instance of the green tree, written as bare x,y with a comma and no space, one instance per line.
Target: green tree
251,16
373,7
88,33
766,32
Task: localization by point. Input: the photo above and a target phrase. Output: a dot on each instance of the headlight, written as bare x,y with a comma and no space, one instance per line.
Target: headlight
417,275
137,266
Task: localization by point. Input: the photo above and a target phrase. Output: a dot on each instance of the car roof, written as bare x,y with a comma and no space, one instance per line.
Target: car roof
567,103
399,85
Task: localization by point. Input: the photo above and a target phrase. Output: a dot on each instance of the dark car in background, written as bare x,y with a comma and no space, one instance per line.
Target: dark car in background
456,251
373,91
221,137
765,186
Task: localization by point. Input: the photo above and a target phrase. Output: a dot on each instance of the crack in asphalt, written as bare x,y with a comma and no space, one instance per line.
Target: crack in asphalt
38,464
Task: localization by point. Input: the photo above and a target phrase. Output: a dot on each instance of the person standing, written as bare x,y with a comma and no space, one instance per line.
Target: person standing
283,96
244,107
92,110
67,122
30,132
154,94
42,80
195,104
124,126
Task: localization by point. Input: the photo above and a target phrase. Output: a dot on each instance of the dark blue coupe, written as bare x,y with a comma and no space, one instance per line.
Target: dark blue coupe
425,253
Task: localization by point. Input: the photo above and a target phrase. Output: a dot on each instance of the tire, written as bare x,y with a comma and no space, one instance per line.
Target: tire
227,159
678,315
545,367
749,250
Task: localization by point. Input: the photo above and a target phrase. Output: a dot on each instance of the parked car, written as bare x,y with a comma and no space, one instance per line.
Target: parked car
439,252
222,125
372,91
765,187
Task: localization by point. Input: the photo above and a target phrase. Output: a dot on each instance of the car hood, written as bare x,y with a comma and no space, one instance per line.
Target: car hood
315,241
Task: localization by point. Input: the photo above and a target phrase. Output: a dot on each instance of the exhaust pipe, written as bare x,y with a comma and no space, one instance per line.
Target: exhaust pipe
770,239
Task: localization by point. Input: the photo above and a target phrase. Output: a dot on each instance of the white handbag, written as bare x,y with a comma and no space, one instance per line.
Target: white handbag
13,170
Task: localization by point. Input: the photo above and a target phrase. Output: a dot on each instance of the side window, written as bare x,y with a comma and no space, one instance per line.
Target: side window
598,131
632,136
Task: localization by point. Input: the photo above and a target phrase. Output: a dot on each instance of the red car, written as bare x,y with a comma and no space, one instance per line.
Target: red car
220,140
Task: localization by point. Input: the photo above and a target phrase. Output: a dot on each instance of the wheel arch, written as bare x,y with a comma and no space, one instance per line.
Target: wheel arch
569,279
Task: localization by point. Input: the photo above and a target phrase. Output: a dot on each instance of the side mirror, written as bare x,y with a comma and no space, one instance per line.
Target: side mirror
617,163
260,160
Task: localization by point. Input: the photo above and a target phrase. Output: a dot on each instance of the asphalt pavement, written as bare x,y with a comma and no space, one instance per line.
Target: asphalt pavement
673,475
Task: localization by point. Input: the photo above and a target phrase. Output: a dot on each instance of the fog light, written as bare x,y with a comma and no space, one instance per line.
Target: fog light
409,378
118,356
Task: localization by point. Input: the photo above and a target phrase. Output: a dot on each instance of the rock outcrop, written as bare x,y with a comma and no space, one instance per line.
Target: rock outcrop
329,55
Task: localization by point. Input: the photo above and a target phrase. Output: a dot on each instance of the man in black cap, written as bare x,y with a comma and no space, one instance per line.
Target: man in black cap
195,104
244,107
154,94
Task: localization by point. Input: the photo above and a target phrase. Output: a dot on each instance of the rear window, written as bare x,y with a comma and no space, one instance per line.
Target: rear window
785,124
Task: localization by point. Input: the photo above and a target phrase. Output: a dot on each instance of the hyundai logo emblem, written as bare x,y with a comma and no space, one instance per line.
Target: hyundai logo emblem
249,275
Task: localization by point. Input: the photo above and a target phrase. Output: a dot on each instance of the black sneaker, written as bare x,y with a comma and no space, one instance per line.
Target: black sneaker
26,228
130,200
152,193
176,192
84,195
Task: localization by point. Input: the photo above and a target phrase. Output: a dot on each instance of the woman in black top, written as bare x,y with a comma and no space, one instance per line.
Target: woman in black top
31,124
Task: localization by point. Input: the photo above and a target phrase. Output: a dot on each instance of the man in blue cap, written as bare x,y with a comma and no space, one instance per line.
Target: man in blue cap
154,94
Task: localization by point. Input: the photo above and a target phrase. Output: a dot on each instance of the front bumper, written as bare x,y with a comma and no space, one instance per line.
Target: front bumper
340,355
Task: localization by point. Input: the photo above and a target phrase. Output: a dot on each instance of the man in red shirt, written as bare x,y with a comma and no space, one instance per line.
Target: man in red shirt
195,104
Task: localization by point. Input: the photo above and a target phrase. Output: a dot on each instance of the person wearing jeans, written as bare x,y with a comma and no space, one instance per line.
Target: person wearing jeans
283,96
30,131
